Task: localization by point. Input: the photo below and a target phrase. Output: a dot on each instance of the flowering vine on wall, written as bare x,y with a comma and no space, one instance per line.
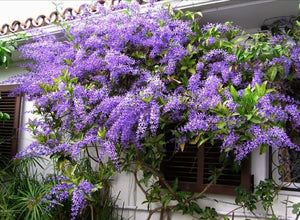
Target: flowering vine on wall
122,80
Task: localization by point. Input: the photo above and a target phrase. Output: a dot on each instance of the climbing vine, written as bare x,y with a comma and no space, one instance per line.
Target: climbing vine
123,84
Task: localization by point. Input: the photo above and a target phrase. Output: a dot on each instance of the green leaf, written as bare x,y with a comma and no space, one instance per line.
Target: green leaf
184,68
195,141
161,22
182,147
148,99
195,207
227,149
233,92
221,124
126,11
175,185
4,59
99,185
192,71
166,200
272,73
296,208
69,170
6,49
161,101
263,148
158,138
190,48
249,116
203,141
256,120
6,116
102,133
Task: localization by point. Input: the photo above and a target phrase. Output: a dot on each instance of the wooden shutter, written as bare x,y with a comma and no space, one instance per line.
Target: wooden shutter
9,128
192,168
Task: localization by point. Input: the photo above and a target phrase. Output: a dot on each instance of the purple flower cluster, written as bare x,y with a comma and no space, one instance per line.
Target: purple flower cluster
97,74
221,28
122,73
57,194
63,191
78,197
274,137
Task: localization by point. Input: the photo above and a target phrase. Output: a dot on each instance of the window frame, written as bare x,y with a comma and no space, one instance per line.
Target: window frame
199,185
276,165
14,118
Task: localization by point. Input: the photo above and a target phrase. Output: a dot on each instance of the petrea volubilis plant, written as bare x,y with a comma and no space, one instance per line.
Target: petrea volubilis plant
123,81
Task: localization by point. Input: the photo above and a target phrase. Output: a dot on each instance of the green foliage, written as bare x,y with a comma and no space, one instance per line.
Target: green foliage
296,210
265,193
5,53
7,47
101,205
208,213
21,192
3,117
22,189
246,199
27,199
248,101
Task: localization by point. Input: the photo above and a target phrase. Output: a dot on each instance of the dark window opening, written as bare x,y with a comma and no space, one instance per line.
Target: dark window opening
285,163
193,167
9,128
294,158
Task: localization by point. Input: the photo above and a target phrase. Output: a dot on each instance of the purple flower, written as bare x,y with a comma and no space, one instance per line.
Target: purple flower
35,149
199,67
230,141
215,55
211,40
257,77
284,61
294,114
154,117
222,28
170,67
194,83
78,197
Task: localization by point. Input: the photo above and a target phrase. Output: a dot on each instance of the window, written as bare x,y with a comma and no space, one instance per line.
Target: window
192,168
8,129
285,163
285,168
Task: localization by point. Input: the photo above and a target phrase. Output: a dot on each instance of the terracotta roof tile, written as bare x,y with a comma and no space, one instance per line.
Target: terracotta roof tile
42,20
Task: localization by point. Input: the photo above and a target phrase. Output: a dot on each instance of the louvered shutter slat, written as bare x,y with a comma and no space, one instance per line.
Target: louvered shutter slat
193,166
8,129
211,162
